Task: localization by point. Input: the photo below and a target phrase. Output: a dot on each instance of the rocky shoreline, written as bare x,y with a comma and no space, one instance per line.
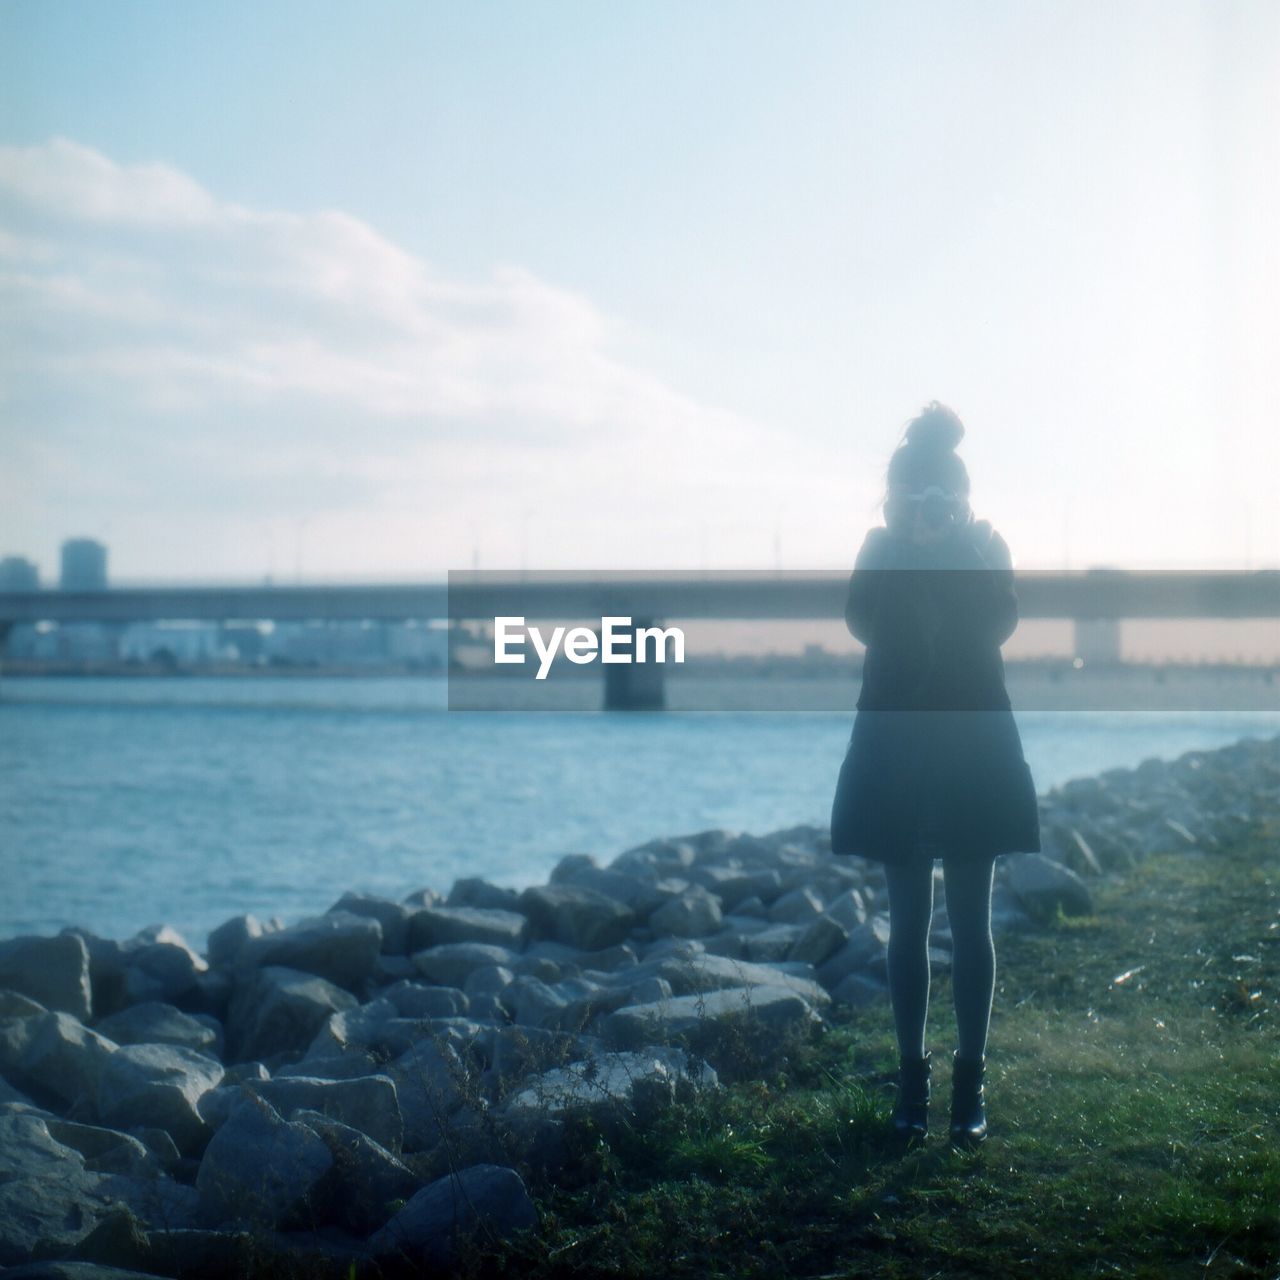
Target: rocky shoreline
375,1085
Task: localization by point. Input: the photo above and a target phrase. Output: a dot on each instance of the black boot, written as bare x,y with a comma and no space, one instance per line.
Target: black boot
911,1114
968,1105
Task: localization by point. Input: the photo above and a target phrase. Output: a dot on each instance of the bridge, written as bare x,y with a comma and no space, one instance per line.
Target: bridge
1081,595
1095,599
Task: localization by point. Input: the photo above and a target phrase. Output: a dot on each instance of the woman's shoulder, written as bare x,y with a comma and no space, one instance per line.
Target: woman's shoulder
990,544
876,546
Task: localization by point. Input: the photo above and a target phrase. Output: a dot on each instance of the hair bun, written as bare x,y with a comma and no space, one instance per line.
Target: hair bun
936,428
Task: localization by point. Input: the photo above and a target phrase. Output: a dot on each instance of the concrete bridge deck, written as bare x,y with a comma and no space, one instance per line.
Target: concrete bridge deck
1078,595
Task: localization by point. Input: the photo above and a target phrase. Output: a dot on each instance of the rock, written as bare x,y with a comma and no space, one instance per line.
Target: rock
9,1094
366,1103
848,908
800,906
533,1003
452,962
1042,885
859,990
521,1051
260,1170
422,898
577,916
392,916
158,1084
1080,855
433,926
49,1199
278,1010
772,943
488,980
637,1082
689,975
711,1022
198,1253
340,947
13,1004
73,1269
53,971
367,1184
472,891
657,858
117,1246
159,965
391,969
734,885
429,1080
867,947
417,1000
157,1023
54,1058
642,896
820,941
693,914
104,1150
434,1228
229,938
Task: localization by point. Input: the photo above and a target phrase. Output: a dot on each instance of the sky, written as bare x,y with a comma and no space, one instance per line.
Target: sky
320,291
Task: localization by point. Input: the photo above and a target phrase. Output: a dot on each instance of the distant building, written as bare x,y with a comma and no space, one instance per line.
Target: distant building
84,565
18,574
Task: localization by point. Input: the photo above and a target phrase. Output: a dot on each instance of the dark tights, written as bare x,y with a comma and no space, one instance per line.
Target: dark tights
973,963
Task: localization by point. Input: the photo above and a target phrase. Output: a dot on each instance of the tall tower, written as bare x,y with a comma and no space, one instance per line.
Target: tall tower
84,565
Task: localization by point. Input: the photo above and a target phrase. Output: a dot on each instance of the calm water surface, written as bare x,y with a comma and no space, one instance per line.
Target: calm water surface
125,803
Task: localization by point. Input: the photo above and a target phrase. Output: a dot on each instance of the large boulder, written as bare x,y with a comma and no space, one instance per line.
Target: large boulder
695,913
229,938
451,963
712,1022
475,891
695,972
160,1085
392,916
54,1058
366,1103
435,1227
337,946
577,916
260,1170
159,965
821,940
54,971
432,926
279,1010
1042,886
367,1184
50,1198
432,1083
154,1022
631,1081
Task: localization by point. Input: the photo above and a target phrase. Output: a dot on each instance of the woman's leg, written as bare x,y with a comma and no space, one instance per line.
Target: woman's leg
973,956
910,886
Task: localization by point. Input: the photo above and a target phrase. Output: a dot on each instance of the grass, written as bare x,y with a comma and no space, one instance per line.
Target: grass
1132,1084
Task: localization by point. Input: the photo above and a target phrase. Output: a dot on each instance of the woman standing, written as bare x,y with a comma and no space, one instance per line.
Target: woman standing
935,766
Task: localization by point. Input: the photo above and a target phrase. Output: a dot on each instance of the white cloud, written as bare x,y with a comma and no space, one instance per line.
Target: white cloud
174,352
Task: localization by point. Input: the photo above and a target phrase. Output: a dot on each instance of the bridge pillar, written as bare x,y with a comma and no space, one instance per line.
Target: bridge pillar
1097,641
634,685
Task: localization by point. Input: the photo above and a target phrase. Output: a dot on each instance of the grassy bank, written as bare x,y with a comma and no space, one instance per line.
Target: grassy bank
1134,1119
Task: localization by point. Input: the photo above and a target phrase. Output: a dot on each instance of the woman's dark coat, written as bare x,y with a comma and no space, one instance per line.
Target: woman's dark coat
934,720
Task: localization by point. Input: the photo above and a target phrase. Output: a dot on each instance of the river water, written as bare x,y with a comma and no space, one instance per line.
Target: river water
128,802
